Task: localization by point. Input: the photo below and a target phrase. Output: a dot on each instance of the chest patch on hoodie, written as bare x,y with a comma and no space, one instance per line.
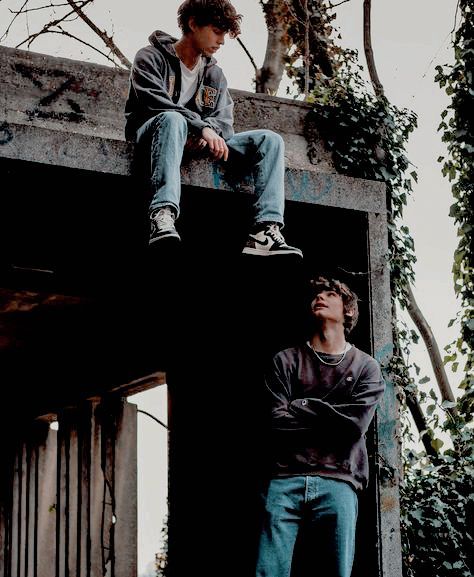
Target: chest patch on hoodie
207,96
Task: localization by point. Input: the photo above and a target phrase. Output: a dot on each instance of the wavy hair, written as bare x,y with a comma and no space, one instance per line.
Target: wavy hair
218,13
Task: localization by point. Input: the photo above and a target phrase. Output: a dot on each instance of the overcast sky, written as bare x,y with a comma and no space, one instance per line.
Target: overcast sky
409,40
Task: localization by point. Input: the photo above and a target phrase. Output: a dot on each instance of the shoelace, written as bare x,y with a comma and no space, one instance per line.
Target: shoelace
164,219
274,233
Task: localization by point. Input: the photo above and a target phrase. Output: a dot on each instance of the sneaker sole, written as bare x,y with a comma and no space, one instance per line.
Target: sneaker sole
173,236
263,252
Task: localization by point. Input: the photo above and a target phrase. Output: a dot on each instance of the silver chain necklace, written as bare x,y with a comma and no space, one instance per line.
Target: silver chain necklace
347,347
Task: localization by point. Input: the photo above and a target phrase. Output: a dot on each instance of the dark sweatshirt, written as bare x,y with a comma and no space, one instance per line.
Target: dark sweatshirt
155,85
320,413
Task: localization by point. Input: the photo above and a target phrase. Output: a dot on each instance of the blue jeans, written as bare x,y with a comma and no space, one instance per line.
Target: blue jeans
261,152
326,509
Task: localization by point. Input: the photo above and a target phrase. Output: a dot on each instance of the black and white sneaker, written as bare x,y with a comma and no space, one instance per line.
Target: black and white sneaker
269,242
162,224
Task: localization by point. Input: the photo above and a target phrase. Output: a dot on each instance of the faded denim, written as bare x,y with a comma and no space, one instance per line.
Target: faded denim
323,507
259,152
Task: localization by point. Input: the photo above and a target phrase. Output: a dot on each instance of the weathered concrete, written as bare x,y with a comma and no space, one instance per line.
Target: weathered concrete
72,506
70,113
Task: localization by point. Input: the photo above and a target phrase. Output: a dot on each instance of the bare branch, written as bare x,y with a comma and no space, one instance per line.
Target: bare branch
455,17
46,28
65,33
37,8
426,434
108,41
369,53
331,6
5,34
433,350
244,48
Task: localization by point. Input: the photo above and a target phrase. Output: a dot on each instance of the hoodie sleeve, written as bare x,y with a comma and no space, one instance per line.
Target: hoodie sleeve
147,81
352,418
221,120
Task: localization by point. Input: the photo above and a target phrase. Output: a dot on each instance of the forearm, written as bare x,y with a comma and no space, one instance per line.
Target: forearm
352,417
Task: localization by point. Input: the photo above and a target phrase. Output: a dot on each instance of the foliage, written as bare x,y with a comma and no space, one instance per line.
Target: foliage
457,127
438,498
369,142
437,501
367,137
161,558
305,30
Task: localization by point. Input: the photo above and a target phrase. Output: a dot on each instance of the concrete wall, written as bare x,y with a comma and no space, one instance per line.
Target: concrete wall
61,144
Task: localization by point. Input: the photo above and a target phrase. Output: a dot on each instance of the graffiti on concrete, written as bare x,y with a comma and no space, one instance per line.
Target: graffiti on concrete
6,134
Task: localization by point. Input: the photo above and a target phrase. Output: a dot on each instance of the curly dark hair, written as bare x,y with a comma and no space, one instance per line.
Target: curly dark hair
218,13
349,298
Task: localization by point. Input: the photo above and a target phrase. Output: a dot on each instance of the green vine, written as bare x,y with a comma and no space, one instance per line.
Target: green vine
457,127
369,142
367,137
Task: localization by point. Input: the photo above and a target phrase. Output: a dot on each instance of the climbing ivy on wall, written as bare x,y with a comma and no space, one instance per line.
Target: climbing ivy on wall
457,128
367,136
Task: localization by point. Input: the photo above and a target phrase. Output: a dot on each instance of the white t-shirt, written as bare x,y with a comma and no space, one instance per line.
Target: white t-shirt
189,81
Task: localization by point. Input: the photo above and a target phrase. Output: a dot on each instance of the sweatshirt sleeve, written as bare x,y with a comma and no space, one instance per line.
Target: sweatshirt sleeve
147,80
278,387
352,418
221,120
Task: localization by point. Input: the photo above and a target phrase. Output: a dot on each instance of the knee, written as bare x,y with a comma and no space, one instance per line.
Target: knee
172,120
273,139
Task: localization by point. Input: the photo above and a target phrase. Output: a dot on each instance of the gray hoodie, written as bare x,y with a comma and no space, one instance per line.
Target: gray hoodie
155,84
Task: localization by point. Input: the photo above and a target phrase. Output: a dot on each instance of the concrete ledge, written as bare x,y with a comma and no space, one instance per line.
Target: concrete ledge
70,113
20,142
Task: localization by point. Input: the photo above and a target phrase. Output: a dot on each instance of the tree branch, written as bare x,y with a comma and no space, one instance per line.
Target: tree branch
20,11
65,33
108,41
424,431
46,28
332,6
244,48
412,306
369,53
433,350
36,8
426,434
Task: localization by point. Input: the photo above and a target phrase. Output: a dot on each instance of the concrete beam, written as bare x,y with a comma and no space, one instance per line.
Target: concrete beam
70,113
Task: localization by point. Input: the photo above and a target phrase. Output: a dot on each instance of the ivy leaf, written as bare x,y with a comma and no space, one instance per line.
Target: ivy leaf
437,444
448,404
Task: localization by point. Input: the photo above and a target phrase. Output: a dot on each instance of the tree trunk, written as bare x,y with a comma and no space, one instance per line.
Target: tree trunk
268,77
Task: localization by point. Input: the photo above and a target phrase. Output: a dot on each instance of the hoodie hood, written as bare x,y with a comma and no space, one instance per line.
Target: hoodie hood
165,43
155,87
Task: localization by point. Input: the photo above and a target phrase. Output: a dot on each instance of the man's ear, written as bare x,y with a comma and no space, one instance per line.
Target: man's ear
192,23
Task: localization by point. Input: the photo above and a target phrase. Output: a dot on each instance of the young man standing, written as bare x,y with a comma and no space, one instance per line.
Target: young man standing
322,396
179,98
